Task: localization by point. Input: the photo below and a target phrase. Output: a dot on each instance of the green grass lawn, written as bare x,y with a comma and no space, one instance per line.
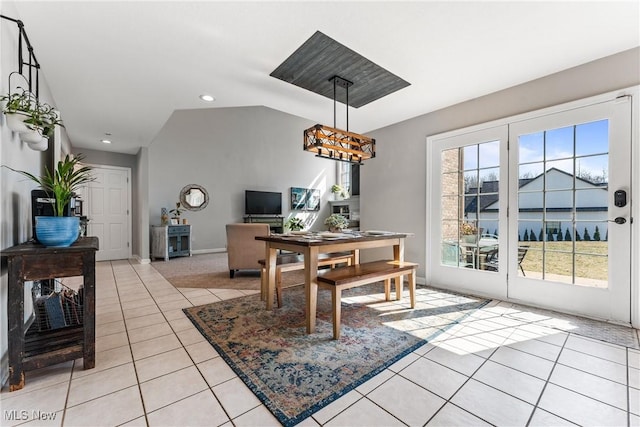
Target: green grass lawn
590,259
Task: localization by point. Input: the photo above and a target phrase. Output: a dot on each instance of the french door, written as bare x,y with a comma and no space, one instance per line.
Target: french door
537,210
567,169
468,171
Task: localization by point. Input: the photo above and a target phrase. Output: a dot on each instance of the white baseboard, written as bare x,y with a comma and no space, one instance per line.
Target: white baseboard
208,251
139,260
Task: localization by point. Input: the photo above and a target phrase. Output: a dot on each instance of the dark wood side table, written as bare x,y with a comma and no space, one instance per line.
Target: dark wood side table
32,261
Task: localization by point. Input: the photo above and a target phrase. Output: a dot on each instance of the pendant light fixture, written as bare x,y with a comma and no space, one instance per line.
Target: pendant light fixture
336,144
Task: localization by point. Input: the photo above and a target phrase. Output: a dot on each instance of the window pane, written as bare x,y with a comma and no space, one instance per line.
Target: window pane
450,160
529,202
530,231
489,153
532,262
586,231
593,237
450,230
592,270
593,170
558,266
450,183
471,182
591,204
592,138
450,207
530,171
559,143
531,147
489,180
559,174
470,156
559,205
450,253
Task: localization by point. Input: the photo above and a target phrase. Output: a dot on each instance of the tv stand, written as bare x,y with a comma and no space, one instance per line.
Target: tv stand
276,223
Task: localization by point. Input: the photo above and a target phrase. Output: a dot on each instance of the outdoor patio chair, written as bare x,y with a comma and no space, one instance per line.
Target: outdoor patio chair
491,263
453,255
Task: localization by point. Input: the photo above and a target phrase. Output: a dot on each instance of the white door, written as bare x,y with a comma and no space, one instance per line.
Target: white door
467,175
567,168
108,201
534,210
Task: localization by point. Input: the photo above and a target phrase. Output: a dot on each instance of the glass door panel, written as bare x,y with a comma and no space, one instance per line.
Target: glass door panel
568,168
470,209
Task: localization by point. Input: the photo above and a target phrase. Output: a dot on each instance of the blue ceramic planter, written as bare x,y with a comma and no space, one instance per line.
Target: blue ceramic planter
57,231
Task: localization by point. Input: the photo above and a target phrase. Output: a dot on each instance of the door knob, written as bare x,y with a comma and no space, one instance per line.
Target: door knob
620,220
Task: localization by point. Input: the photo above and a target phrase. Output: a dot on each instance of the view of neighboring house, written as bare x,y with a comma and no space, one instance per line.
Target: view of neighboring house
545,206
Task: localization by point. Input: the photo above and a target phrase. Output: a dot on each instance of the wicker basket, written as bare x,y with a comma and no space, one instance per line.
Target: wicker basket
56,305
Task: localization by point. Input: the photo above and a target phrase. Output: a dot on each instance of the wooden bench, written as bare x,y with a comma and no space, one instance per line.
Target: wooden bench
338,279
292,262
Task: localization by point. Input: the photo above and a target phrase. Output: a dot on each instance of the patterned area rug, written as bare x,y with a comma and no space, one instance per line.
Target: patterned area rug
212,271
295,374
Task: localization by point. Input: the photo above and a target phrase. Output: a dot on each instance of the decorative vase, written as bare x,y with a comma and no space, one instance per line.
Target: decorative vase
164,216
15,121
57,231
335,230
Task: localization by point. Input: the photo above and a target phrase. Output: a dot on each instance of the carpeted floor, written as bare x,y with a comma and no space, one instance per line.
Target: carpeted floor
212,271
296,374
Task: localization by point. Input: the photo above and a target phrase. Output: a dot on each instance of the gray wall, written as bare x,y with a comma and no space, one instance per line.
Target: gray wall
228,151
15,210
393,190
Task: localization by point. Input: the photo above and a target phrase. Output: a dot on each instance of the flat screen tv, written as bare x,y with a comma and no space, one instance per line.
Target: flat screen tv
262,203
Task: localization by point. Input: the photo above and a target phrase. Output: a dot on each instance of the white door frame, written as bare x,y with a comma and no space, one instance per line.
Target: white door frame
634,92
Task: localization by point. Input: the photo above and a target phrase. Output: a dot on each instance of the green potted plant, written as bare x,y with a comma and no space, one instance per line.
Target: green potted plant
338,191
468,232
18,109
294,224
336,222
61,184
35,121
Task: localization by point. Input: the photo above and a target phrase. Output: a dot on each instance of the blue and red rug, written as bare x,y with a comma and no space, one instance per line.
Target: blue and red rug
295,374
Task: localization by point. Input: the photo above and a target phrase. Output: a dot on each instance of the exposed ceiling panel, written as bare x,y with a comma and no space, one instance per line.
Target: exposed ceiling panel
314,64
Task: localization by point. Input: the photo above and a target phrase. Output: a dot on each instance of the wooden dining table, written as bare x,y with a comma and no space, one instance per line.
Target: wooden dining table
313,244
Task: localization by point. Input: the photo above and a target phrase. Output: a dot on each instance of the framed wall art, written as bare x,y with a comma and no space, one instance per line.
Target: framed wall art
298,198
305,199
313,200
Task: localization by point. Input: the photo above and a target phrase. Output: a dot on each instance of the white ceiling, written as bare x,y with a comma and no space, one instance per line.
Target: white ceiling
124,67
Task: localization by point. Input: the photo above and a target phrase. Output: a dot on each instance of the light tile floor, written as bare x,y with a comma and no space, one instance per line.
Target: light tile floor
504,365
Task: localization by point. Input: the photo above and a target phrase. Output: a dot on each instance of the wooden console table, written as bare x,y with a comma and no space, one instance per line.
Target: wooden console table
32,261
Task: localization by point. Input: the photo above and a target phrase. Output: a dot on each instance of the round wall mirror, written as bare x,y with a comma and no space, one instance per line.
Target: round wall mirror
194,197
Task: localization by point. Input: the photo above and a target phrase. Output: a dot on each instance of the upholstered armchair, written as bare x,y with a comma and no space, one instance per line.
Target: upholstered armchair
243,250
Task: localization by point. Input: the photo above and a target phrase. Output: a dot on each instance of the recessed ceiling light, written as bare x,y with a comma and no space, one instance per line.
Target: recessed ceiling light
106,141
207,98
